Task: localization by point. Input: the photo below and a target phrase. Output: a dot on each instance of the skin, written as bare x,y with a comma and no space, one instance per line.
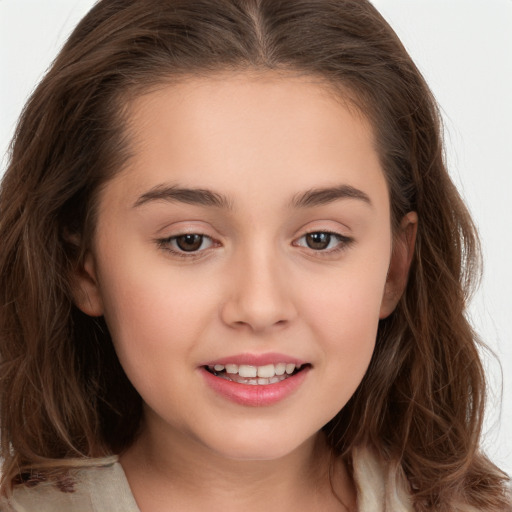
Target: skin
253,287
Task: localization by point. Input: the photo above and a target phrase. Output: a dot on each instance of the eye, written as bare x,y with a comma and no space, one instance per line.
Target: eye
187,243
323,241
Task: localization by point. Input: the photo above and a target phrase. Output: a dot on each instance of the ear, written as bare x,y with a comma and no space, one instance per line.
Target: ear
86,291
401,257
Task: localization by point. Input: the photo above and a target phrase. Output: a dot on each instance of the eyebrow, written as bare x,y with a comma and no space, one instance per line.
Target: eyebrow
204,197
196,196
322,196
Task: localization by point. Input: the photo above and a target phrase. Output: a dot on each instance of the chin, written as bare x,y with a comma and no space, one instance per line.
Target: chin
262,446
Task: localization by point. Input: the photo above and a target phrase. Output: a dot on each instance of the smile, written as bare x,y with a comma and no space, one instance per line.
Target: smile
255,380
255,375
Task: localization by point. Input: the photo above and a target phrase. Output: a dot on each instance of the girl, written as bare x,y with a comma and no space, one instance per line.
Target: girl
234,272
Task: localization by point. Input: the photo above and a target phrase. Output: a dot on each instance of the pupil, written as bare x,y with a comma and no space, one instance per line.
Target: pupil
189,243
318,241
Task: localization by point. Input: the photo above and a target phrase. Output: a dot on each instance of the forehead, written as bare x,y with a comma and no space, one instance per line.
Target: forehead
250,132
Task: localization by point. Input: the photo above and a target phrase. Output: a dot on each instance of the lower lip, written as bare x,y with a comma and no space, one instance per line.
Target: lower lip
259,395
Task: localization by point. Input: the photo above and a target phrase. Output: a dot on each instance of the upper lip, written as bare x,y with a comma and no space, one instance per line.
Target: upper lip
256,360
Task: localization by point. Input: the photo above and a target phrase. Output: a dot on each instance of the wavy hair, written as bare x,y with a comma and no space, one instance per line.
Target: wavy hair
63,393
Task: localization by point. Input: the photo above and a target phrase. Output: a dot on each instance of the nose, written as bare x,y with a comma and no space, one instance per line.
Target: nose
259,295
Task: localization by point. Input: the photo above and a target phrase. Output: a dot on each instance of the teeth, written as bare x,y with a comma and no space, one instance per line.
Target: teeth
269,371
231,368
234,377
244,370
280,368
290,368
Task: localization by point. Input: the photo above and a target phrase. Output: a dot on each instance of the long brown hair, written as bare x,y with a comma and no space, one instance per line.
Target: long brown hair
63,393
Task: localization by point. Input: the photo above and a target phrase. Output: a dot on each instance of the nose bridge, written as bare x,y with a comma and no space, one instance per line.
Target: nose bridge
259,297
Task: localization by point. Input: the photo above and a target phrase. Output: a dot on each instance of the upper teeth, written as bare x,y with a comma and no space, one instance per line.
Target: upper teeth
268,371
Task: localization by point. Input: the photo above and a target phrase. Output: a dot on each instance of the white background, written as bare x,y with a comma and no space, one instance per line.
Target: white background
464,49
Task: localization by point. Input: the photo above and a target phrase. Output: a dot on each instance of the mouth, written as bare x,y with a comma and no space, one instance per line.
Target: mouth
256,375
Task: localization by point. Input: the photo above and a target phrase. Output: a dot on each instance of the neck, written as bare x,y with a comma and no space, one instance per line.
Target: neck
181,474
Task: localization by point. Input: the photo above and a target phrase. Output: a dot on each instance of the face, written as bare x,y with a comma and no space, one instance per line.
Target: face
242,261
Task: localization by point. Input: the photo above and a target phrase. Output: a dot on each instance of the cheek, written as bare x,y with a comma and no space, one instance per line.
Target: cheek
154,315
349,298
343,315
156,320
347,340
348,325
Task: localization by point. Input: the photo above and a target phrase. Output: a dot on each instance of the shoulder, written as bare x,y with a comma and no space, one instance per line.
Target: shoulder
98,487
383,487
380,486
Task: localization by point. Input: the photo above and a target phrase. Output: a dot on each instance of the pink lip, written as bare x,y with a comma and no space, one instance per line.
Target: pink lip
256,359
254,395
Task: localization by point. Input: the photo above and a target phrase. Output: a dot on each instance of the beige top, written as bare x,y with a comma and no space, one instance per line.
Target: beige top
104,488
99,488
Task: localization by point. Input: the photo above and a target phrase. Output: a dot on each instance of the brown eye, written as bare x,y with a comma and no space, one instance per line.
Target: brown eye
324,241
318,241
189,243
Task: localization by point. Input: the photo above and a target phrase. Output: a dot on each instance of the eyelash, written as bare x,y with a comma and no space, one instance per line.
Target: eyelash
166,244
343,242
